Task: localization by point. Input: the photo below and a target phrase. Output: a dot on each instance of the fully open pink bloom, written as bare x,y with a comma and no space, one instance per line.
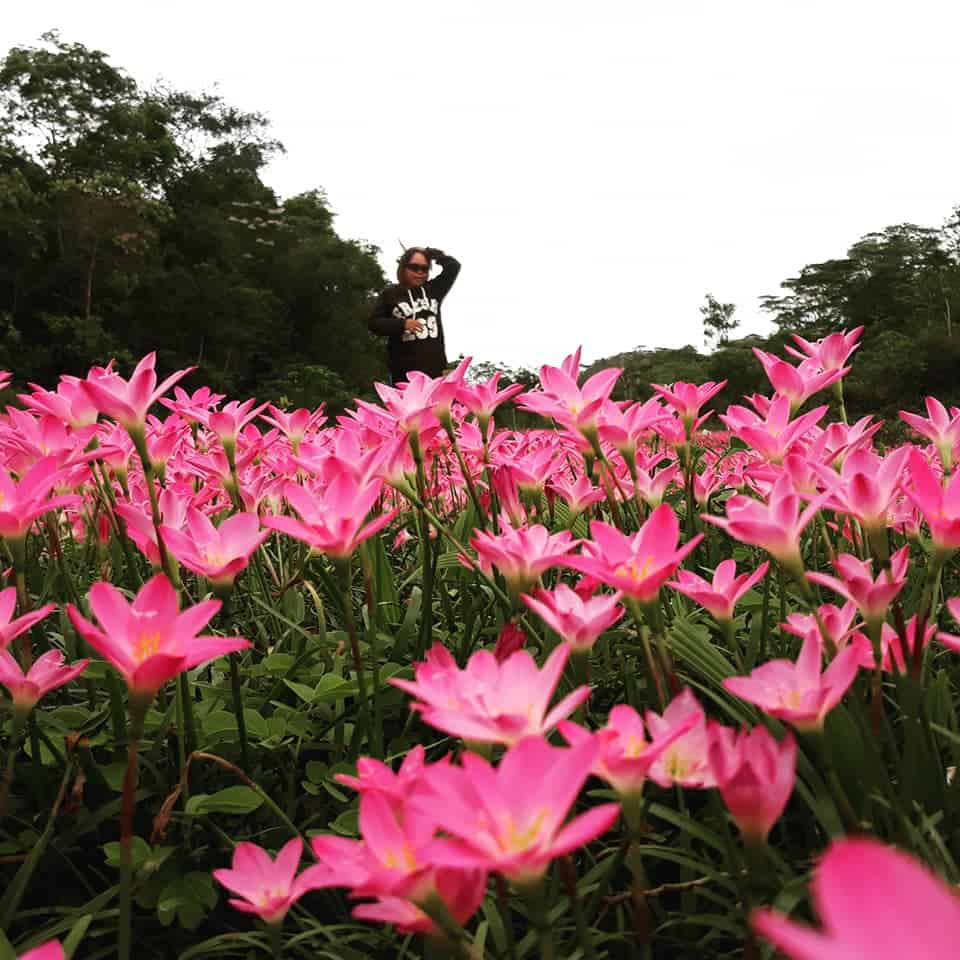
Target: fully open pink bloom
482,399
294,426
720,596
832,352
939,505
194,407
873,902
69,403
522,555
755,775
511,819
217,553
128,402
47,673
650,486
51,950
685,761
268,887
638,564
228,422
856,582
868,486
149,641
799,693
775,525
491,702
837,621
24,500
332,519
625,754
775,435
578,494
939,427
11,629
578,621
798,383
572,406
626,427
688,398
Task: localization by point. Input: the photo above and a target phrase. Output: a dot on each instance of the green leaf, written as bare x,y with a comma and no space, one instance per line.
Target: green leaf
305,693
237,800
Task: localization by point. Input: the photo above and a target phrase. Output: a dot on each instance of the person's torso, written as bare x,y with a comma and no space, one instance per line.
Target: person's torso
418,349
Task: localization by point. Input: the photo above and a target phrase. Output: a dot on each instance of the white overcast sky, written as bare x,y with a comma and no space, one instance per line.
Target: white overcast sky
598,165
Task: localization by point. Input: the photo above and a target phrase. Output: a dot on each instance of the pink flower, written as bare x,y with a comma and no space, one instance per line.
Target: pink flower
799,383
755,775
522,555
374,776
11,629
873,901
939,505
625,428
267,887
294,426
128,402
139,522
149,641
24,500
217,553
832,352
491,702
228,422
775,435
578,621
512,819
332,520
720,596
775,525
47,673
891,648
577,494
482,399
868,485
570,405
462,892
939,427
685,760
798,692
856,583
510,639
51,950
625,755
837,621
639,564
688,398
70,404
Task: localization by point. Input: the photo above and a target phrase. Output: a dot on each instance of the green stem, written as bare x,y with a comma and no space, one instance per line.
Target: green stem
16,741
569,876
345,572
138,710
236,693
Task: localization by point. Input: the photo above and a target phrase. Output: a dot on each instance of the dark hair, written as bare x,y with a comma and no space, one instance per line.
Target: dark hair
406,257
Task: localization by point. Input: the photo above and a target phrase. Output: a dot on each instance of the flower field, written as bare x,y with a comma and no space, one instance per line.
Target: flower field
670,678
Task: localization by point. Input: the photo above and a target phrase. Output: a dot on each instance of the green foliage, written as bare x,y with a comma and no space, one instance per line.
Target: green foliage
135,219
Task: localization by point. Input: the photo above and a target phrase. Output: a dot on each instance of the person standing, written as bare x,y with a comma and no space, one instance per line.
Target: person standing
408,313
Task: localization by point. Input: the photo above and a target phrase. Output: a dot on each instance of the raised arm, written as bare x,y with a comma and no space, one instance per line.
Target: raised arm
450,269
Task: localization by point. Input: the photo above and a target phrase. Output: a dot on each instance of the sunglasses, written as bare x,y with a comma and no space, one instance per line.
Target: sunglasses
418,268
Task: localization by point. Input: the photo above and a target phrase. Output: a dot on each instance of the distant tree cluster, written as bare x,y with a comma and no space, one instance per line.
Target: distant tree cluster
902,284
135,219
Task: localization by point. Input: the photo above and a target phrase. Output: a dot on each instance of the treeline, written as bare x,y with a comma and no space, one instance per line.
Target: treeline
136,219
901,284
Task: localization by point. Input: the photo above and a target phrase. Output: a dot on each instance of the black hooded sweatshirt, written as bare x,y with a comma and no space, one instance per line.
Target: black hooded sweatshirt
407,350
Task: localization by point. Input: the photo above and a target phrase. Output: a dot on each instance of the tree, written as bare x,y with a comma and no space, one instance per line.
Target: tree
718,322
